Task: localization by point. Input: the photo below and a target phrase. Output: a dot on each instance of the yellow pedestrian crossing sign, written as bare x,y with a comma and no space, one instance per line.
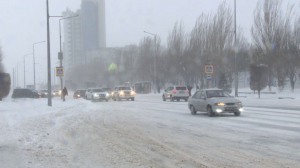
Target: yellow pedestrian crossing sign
209,69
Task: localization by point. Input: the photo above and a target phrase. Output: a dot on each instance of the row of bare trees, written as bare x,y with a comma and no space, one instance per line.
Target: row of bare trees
276,37
276,43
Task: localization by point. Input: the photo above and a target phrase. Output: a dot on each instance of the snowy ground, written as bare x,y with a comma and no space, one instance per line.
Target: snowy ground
147,133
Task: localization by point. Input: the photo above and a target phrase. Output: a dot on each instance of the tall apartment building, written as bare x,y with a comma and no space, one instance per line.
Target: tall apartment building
84,33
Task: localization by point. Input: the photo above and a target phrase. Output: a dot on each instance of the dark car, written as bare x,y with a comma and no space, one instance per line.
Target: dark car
25,93
79,94
4,85
44,93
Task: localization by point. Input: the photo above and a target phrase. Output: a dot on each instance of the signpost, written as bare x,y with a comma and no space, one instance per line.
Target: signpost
209,69
59,71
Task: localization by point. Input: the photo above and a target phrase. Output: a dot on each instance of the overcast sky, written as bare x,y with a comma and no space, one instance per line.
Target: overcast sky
23,22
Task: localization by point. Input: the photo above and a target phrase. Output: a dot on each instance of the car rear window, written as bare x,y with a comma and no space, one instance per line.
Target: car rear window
181,88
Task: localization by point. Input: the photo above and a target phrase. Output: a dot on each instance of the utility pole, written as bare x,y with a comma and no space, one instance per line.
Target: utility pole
13,78
235,62
155,62
48,57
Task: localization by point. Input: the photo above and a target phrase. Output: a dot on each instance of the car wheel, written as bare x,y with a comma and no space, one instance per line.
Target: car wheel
186,100
93,99
106,100
237,113
178,100
193,111
132,99
114,99
210,112
164,98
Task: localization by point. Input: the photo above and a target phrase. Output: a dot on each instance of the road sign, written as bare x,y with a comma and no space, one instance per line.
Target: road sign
209,69
208,77
59,71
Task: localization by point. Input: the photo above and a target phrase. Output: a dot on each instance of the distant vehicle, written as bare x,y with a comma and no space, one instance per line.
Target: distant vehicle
4,85
25,93
108,90
96,94
123,92
56,93
79,94
44,93
176,93
214,101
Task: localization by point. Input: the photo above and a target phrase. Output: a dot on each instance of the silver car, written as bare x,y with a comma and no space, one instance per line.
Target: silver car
123,92
176,93
97,94
214,101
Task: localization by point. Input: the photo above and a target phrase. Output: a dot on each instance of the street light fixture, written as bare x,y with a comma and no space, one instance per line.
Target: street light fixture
60,55
34,63
24,67
155,36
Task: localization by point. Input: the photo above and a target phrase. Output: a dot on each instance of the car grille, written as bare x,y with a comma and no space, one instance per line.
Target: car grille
101,95
127,92
230,104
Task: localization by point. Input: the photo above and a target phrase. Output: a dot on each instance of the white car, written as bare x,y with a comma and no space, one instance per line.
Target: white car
123,92
97,94
176,93
214,101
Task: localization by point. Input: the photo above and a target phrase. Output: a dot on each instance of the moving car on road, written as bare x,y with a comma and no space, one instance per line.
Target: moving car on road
123,92
56,93
176,93
214,101
108,90
25,93
97,94
79,94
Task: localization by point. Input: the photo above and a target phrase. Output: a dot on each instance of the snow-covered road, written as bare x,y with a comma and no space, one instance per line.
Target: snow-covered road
144,133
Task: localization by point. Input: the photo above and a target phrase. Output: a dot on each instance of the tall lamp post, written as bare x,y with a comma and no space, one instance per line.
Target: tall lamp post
155,36
34,63
60,55
235,62
24,67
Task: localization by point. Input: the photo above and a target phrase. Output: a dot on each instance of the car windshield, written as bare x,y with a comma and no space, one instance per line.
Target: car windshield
98,90
124,88
106,89
216,93
44,90
81,91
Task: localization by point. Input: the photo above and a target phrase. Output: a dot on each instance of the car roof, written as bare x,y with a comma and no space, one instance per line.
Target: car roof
210,89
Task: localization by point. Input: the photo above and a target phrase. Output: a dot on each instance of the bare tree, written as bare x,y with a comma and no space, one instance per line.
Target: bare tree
258,77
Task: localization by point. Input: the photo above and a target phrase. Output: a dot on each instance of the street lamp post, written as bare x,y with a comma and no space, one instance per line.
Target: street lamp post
155,36
24,68
34,63
235,63
18,72
60,51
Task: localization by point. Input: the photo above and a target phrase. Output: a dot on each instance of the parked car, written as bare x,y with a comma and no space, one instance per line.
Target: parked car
4,85
25,93
214,101
123,92
176,93
79,94
96,94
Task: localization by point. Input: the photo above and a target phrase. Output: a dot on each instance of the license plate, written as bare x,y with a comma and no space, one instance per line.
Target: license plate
181,91
230,108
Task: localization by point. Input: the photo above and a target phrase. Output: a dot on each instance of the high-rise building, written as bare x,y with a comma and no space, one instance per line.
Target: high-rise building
84,33
72,45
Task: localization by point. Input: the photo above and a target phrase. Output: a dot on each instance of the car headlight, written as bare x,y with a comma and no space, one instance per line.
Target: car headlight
239,103
39,94
220,104
95,95
46,94
132,93
53,94
78,95
121,93
107,94
60,92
